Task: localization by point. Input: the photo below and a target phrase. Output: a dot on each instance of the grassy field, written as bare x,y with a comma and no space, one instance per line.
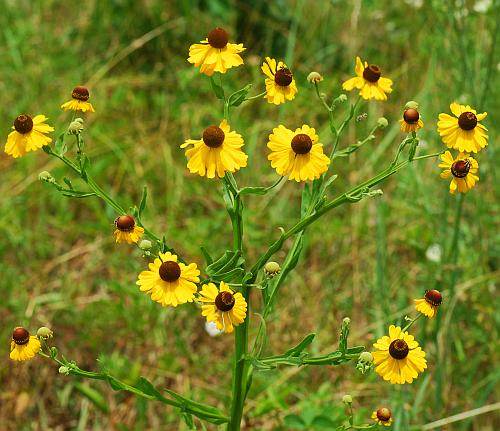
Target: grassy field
60,266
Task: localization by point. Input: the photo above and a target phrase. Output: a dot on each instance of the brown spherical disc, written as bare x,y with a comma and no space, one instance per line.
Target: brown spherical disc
80,93
411,116
23,124
213,136
218,38
433,297
467,120
399,349
224,301
283,77
125,223
460,168
170,271
20,335
372,73
383,414
301,143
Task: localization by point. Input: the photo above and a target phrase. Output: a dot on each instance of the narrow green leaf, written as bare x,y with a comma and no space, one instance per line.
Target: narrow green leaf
237,98
60,146
299,348
206,255
93,395
218,90
142,204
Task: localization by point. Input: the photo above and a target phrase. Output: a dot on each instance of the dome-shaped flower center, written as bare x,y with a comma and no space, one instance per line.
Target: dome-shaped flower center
467,120
301,143
213,136
433,297
372,73
125,223
283,77
170,271
411,116
23,124
383,414
224,301
460,168
399,349
20,336
218,38
80,93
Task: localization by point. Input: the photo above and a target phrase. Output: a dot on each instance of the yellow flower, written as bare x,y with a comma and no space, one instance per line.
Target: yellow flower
280,85
28,135
215,53
127,230
297,154
463,171
369,81
399,359
429,304
382,416
80,96
463,132
169,282
23,347
223,306
411,121
217,152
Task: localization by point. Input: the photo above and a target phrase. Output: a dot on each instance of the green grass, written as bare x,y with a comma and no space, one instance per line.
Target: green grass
61,268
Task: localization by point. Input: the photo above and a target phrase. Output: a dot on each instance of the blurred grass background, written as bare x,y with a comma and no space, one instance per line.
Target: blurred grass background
61,268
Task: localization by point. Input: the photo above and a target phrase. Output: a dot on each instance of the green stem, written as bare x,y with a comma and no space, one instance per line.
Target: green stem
342,126
257,96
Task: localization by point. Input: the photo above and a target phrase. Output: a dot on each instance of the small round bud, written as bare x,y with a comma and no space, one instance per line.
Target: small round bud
314,77
346,321
271,269
46,176
75,127
342,98
145,244
347,399
382,123
366,357
64,370
44,333
411,105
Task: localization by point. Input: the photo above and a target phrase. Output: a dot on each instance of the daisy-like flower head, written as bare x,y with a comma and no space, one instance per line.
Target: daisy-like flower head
382,416
215,53
80,101
222,306
169,282
411,121
429,304
297,154
463,171
280,85
370,81
29,134
127,230
463,132
217,152
399,359
23,346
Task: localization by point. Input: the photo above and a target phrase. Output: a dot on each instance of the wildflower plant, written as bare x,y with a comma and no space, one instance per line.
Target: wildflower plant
221,287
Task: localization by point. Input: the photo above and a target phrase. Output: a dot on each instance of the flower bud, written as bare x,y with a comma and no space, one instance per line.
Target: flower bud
145,244
75,127
347,399
346,321
365,362
271,269
47,177
64,370
382,123
44,333
411,105
314,77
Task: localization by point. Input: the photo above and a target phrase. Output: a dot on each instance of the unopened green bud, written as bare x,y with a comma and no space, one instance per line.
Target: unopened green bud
346,321
271,269
64,370
314,77
47,177
347,399
342,98
75,127
411,105
145,244
365,362
44,333
382,122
